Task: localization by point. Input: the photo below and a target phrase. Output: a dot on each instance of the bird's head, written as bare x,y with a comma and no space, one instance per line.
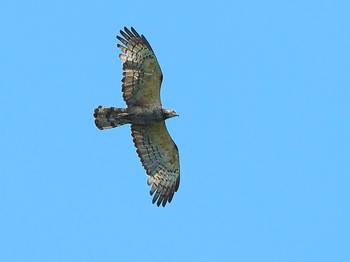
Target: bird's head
168,113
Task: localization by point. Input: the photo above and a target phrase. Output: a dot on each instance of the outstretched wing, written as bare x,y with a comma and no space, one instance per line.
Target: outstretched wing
160,157
142,74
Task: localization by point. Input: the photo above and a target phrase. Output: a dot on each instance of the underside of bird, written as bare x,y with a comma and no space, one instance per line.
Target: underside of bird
109,117
141,82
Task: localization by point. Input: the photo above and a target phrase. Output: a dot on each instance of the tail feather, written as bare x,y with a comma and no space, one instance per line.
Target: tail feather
109,117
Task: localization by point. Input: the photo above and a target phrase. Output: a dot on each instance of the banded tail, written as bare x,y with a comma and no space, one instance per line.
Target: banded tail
109,117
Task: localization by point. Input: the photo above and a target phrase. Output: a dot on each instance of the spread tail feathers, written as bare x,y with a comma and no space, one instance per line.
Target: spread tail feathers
109,117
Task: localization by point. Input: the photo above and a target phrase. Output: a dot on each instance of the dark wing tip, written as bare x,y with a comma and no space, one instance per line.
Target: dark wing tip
134,32
163,196
130,34
164,202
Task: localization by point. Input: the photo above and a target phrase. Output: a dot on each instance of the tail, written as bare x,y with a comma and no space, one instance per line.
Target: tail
109,117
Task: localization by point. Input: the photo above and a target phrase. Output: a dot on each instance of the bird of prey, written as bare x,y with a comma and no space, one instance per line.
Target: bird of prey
141,84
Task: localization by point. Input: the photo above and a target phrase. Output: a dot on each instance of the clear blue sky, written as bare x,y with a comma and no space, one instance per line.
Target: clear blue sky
262,89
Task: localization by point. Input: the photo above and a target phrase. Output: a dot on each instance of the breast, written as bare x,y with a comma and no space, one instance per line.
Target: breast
142,115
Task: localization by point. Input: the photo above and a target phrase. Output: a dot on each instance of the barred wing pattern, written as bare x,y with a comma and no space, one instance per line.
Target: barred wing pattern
160,157
141,92
142,74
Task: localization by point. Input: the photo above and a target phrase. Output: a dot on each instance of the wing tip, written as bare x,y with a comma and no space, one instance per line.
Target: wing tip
162,195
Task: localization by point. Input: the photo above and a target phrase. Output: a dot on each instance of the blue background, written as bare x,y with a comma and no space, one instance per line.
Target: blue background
262,90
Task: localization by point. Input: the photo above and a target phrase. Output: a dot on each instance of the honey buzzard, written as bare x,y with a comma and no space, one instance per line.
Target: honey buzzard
141,92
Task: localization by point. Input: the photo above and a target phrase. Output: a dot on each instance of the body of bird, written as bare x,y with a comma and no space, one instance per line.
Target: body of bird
141,91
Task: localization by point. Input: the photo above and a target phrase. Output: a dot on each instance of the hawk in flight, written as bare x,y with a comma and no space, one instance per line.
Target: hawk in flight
141,92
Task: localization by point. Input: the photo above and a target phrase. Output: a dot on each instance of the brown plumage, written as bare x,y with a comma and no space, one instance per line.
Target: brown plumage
142,79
